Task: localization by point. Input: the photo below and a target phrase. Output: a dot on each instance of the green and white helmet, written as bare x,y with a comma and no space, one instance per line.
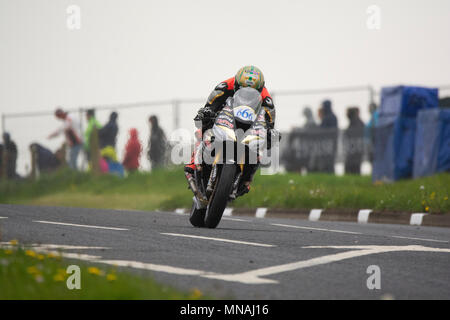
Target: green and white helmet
249,76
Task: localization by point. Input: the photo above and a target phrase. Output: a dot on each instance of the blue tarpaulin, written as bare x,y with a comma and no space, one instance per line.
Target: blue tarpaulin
432,146
394,135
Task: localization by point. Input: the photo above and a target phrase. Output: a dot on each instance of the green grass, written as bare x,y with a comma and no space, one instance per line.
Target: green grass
27,274
167,189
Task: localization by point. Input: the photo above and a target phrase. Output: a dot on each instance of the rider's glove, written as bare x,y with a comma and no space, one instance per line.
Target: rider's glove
205,114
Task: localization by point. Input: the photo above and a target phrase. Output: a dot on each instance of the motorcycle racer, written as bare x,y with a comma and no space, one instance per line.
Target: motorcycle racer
248,76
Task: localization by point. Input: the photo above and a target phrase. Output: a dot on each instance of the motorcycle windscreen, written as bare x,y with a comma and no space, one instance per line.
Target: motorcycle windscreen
246,105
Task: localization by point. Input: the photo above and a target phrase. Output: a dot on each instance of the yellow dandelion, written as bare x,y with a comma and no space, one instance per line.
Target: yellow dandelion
195,294
30,253
40,257
14,242
51,255
423,202
61,271
8,251
58,277
432,195
33,270
445,198
427,209
111,277
94,270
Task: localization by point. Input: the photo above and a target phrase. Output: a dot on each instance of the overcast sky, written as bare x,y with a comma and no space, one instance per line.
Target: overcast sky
129,51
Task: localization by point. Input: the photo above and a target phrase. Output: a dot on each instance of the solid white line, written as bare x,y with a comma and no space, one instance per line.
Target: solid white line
3,217
318,229
219,239
254,276
314,214
363,215
422,239
260,212
79,225
416,219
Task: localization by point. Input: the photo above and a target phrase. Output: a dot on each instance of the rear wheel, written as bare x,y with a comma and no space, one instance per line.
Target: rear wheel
221,195
197,216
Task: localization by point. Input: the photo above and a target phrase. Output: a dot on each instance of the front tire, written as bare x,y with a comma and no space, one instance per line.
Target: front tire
221,195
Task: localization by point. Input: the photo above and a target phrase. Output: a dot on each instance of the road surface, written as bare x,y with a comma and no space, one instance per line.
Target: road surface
246,257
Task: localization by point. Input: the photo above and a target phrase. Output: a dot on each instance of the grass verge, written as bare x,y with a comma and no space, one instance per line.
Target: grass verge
167,189
30,275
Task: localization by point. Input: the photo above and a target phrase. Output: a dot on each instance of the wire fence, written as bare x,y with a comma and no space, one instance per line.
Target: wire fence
29,127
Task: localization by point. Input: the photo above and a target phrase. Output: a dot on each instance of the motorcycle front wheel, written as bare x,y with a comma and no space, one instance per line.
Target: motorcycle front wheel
220,196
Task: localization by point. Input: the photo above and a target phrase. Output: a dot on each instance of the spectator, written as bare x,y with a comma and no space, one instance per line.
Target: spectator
157,144
108,134
72,132
327,139
47,161
369,131
133,151
310,122
10,157
353,142
328,118
92,122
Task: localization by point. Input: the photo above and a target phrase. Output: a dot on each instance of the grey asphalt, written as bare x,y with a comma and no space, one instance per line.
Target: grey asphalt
416,274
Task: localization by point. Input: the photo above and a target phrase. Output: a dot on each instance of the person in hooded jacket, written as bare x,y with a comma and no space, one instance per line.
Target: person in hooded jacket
329,133
108,133
354,142
156,144
133,151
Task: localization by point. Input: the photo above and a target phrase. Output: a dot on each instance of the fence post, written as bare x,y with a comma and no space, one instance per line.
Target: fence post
371,94
34,161
176,113
94,151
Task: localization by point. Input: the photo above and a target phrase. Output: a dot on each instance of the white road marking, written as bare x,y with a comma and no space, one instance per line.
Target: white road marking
79,225
416,219
219,239
314,214
249,277
254,276
317,229
260,212
421,239
180,211
363,215
233,219
3,217
228,212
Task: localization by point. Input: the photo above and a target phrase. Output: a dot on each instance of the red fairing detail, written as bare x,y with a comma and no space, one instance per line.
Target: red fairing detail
230,83
265,93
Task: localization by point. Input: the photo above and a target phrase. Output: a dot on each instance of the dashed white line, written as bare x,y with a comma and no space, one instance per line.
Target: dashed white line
421,239
234,219
219,239
3,217
79,225
317,229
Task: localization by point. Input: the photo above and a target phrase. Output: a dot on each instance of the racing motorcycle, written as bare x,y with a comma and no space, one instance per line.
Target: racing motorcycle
227,153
